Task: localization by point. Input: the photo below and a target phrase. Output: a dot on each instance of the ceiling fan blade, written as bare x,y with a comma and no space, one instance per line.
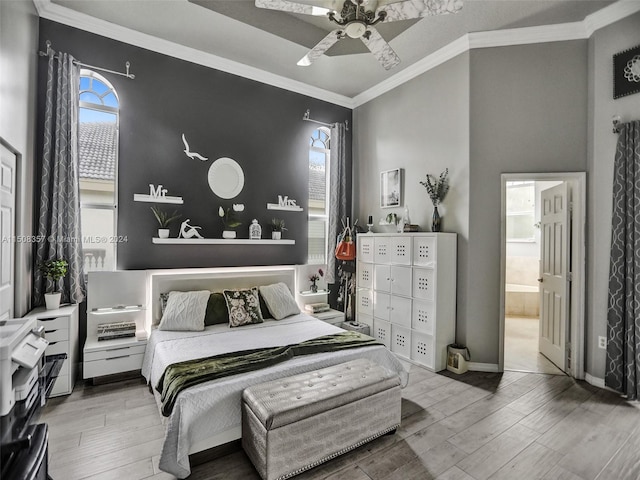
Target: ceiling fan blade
293,7
381,49
408,9
325,44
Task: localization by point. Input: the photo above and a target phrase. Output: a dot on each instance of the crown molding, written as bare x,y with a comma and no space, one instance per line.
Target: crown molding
611,14
438,57
496,38
81,21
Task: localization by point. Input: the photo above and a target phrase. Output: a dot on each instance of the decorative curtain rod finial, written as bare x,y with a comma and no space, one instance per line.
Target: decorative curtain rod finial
616,123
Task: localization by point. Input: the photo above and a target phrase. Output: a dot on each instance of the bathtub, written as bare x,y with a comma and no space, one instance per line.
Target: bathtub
522,300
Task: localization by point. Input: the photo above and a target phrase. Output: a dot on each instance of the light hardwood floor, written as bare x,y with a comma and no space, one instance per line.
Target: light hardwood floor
476,426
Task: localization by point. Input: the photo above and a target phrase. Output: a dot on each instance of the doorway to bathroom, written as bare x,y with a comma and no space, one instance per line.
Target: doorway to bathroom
542,320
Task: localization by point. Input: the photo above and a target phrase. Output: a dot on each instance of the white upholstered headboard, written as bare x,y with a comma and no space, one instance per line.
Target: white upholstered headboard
213,279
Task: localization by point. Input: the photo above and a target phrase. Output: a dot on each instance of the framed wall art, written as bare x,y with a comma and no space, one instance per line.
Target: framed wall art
391,188
626,72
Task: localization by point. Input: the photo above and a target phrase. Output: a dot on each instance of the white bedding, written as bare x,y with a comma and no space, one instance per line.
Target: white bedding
208,409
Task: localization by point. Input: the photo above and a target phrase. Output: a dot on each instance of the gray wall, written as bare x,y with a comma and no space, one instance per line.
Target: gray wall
528,114
18,47
487,112
222,115
423,127
602,144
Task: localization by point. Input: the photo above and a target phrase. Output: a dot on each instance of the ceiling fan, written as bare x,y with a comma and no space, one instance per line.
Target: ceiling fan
356,19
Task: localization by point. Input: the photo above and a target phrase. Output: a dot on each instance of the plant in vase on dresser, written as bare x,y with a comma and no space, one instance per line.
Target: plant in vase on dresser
437,189
53,270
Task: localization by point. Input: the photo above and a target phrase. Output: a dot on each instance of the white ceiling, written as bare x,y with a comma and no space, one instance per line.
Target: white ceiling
267,43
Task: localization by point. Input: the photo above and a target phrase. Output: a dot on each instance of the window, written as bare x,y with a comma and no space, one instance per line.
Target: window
319,149
521,202
98,166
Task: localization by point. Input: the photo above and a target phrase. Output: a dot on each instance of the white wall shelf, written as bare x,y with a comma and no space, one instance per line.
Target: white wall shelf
290,208
143,197
220,241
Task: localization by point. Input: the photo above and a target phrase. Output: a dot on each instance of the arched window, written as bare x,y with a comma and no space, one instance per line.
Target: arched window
319,149
98,170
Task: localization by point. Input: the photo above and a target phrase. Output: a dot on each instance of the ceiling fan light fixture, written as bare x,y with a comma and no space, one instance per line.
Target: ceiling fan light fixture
355,29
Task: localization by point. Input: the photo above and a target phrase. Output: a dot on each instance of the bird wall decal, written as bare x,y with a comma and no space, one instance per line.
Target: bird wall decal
191,154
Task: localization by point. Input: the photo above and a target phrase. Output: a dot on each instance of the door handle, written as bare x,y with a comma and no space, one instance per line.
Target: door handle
540,280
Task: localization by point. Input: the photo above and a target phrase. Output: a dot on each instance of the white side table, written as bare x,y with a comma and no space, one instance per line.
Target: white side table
112,356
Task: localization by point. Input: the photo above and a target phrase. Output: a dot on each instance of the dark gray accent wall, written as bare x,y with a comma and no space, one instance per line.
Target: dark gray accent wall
222,115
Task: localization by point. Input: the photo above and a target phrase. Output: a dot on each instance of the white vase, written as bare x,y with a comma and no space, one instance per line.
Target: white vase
52,300
228,234
276,235
163,233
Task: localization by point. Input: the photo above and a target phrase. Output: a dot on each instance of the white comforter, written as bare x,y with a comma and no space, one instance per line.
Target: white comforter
204,410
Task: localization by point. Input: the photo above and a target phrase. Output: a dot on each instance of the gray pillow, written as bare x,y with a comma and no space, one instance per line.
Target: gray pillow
279,300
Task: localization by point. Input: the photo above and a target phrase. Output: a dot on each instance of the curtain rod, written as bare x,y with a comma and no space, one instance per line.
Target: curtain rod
77,62
616,123
306,118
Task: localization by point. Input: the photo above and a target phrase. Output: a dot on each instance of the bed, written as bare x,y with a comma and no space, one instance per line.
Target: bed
209,414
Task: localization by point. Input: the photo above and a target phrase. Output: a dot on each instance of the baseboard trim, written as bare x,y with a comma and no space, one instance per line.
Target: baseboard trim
598,382
484,367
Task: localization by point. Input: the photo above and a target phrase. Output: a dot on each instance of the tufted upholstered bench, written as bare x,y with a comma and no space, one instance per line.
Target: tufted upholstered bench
293,424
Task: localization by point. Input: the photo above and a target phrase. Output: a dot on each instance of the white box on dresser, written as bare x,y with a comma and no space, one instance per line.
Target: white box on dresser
406,292
61,330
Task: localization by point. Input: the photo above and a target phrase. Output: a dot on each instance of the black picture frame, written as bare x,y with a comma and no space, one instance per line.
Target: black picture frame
626,72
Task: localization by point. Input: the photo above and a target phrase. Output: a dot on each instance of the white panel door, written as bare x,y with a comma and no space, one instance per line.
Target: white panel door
7,231
401,280
382,278
554,274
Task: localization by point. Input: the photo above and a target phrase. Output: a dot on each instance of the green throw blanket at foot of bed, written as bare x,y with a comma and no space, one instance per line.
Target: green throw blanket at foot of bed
179,376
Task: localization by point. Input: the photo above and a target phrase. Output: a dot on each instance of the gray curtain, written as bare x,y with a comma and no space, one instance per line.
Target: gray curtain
59,214
623,317
338,194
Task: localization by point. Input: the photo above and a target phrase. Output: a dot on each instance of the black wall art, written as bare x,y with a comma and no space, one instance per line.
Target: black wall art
626,72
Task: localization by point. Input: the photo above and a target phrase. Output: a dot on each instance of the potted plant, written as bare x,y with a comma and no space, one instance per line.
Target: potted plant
437,189
277,227
230,220
53,270
164,220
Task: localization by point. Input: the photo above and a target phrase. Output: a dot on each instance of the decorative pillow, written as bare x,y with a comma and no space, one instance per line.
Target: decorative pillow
243,306
185,311
216,310
279,300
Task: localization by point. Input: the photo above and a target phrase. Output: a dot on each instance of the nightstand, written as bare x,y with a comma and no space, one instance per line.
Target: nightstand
112,356
360,327
334,317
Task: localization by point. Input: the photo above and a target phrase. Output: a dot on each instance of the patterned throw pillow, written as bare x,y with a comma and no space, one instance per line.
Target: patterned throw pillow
243,306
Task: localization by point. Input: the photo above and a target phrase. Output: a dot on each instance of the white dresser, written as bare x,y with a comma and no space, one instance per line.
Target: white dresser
406,293
61,330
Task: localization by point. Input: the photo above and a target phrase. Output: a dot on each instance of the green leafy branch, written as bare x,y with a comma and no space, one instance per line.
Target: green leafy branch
437,188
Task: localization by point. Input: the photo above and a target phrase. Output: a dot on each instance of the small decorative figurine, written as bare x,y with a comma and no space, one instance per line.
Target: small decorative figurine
255,230
189,231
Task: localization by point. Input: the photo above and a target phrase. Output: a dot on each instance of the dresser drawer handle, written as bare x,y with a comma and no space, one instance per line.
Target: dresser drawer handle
50,331
47,319
115,358
116,349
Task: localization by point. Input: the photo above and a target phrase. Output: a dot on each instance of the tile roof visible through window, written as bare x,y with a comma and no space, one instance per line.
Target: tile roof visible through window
98,143
317,189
